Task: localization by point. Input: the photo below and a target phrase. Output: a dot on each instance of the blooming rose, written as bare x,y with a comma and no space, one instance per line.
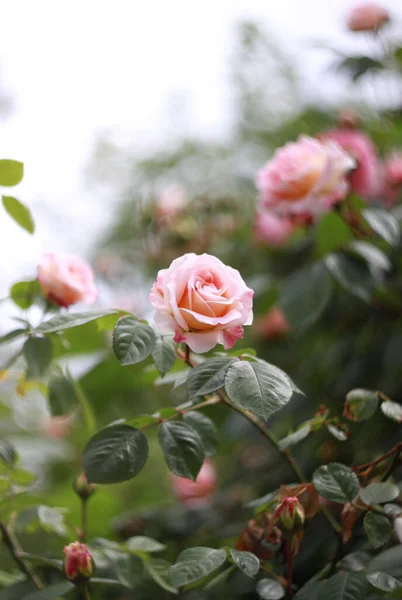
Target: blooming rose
271,229
171,201
273,324
192,493
307,176
66,279
367,17
202,301
365,180
393,178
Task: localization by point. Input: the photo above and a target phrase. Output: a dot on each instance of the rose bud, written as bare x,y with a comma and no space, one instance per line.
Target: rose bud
78,562
289,516
66,280
82,488
367,17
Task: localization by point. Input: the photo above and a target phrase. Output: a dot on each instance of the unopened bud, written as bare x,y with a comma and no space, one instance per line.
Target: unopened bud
82,488
78,562
289,516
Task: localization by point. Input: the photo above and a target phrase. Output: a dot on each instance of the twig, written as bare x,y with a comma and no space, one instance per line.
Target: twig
12,545
84,520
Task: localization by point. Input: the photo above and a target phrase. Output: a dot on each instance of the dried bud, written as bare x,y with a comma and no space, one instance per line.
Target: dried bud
78,562
82,488
289,516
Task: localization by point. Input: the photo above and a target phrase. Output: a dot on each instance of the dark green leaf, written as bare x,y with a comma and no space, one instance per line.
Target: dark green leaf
18,590
38,353
379,493
69,320
182,448
61,394
12,335
270,589
295,437
8,453
115,454
305,295
158,570
352,274
344,586
133,341
392,410
371,254
331,233
310,591
361,404
52,591
194,564
140,543
19,212
384,224
246,561
23,293
378,529
384,582
357,66
11,172
163,354
128,568
336,482
389,561
259,387
209,376
206,430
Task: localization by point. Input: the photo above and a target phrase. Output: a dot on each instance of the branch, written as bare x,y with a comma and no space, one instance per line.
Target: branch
13,547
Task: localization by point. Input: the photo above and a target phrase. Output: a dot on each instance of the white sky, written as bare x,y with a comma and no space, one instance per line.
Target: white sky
75,68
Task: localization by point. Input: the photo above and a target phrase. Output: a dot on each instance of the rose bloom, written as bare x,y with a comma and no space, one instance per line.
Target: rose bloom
66,279
393,178
367,17
171,201
365,180
305,177
202,301
273,325
272,229
198,492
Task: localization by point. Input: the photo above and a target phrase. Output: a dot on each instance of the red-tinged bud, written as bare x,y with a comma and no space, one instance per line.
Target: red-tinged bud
289,516
78,562
82,488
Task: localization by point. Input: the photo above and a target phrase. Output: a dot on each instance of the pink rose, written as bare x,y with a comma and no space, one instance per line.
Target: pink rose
393,178
78,562
202,301
271,229
193,493
171,201
365,180
66,279
273,324
367,17
57,427
307,176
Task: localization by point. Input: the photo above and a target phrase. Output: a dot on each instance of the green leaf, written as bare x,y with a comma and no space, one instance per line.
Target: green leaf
24,293
246,562
384,582
331,233
115,454
378,529
270,589
305,296
388,561
61,394
384,224
194,564
182,448
209,376
361,404
336,482
357,66
11,172
338,433
22,477
52,591
51,519
163,354
8,454
379,493
371,254
12,335
69,320
19,212
128,568
133,341
310,591
38,353
206,430
344,586
158,570
18,590
351,274
258,387
140,543
295,437
392,410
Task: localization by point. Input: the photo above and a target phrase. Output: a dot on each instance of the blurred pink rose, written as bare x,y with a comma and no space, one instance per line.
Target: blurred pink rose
272,325
57,427
193,493
271,229
366,179
367,17
307,176
66,279
202,301
393,178
171,201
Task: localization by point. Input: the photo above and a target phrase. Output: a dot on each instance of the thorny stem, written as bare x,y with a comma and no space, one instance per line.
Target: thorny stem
83,592
395,450
209,402
13,547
